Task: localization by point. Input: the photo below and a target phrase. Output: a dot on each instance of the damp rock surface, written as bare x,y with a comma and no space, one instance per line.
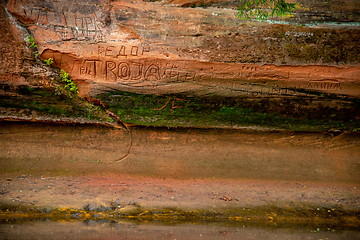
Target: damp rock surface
196,60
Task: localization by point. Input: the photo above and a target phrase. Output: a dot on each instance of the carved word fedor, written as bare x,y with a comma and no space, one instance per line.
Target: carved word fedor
122,51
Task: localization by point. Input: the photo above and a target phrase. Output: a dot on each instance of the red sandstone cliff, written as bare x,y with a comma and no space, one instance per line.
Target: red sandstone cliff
164,47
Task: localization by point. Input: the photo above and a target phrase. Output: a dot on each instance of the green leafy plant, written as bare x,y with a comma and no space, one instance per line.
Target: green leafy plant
259,9
31,40
69,84
49,61
70,87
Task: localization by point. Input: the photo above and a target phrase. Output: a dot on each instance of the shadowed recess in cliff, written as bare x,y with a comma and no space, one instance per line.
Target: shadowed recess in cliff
318,113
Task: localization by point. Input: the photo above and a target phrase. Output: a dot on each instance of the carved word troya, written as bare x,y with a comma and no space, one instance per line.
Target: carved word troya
133,71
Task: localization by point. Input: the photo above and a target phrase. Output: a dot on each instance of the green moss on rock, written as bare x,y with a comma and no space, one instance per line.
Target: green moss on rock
306,114
24,101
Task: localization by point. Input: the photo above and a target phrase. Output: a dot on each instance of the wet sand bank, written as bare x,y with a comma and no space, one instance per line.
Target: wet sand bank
261,175
179,152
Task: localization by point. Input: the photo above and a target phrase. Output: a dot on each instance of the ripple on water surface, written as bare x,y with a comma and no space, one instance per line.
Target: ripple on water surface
133,230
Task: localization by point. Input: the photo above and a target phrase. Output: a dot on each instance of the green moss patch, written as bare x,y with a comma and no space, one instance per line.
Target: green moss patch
26,99
300,114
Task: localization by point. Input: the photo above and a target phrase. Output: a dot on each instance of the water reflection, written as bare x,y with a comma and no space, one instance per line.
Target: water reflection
128,230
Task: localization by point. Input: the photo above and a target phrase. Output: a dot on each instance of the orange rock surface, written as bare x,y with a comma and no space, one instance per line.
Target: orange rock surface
160,47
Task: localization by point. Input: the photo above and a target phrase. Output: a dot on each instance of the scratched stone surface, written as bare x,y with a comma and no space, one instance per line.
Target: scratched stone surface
182,49
167,47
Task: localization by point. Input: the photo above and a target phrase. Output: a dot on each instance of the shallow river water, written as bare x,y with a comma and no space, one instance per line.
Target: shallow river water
128,230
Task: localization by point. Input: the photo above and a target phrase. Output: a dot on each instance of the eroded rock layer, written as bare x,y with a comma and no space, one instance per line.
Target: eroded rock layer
165,47
197,64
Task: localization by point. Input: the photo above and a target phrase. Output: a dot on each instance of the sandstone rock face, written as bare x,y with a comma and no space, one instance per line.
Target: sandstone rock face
197,64
167,47
16,60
